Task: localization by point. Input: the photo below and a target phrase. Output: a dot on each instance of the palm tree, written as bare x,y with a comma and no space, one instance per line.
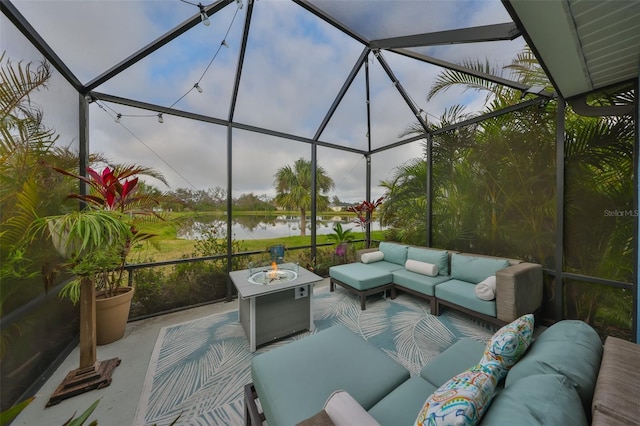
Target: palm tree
293,189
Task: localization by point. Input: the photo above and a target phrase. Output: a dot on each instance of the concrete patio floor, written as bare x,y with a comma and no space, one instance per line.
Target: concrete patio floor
119,401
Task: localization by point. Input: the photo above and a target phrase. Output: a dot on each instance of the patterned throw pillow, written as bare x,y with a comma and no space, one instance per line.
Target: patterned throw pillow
462,400
508,345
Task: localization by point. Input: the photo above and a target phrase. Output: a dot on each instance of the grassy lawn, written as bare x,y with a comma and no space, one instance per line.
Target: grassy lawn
167,246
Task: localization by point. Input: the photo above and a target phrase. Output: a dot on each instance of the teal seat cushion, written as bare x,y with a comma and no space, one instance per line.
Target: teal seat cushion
421,283
462,355
544,399
394,253
360,276
571,348
401,406
387,266
440,258
463,293
475,269
323,362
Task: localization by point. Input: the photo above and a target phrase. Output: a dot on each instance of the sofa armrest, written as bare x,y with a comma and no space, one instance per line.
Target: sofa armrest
518,290
360,252
615,399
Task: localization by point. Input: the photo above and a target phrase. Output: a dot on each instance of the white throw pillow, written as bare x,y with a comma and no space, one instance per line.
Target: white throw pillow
423,268
486,289
374,256
345,411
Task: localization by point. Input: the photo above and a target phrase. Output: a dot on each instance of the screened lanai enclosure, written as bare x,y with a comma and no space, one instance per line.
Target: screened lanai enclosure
505,128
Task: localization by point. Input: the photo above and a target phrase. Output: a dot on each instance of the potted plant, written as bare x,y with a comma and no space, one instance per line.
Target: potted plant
364,212
97,240
341,237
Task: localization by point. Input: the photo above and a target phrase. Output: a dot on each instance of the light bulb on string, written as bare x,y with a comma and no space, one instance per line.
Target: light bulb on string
224,43
203,15
240,5
118,117
160,119
198,88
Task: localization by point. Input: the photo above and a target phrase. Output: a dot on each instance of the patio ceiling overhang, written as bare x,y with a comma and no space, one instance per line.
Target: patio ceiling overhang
583,46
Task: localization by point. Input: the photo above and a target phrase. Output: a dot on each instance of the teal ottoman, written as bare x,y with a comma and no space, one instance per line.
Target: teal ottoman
324,363
361,279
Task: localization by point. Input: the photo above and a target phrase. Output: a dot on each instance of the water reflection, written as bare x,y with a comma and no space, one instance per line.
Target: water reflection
260,227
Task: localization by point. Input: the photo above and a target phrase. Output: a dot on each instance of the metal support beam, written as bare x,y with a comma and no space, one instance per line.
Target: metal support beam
350,78
314,203
310,7
559,254
400,89
635,328
512,108
368,101
232,109
455,67
429,194
206,119
38,42
157,44
495,32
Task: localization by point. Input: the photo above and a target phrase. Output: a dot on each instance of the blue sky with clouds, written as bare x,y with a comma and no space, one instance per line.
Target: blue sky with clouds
294,67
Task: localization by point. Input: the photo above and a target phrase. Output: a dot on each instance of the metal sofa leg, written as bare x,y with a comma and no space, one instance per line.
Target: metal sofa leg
363,302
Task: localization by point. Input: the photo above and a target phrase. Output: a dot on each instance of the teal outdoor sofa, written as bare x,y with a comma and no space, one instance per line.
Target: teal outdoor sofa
396,267
565,378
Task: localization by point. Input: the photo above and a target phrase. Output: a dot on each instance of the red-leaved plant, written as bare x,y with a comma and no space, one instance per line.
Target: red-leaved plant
115,192
364,211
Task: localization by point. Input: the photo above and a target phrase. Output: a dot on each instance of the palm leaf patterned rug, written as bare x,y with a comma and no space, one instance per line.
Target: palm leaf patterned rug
198,368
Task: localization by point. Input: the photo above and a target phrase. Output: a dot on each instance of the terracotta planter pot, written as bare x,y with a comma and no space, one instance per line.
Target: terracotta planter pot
112,314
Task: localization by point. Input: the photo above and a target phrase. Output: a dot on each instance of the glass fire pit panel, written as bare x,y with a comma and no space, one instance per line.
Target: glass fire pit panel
270,277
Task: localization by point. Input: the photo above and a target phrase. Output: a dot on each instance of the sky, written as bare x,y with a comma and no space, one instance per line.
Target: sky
294,67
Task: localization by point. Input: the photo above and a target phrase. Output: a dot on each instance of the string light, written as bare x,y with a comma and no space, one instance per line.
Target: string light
205,20
203,15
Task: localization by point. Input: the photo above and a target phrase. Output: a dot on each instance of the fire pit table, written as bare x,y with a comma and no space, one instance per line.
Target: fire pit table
274,301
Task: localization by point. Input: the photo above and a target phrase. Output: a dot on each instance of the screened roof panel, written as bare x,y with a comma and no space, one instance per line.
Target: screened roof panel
294,67
167,77
386,18
92,36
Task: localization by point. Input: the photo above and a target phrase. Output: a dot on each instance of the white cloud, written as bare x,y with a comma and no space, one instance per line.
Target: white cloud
294,68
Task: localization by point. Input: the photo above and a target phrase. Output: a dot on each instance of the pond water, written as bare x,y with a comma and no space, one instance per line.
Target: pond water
261,227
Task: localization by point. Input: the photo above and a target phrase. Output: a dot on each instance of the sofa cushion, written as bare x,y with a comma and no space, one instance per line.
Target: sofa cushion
571,348
322,363
417,282
463,293
508,345
394,253
486,289
544,399
475,269
423,268
457,358
361,276
440,258
462,400
371,257
402,404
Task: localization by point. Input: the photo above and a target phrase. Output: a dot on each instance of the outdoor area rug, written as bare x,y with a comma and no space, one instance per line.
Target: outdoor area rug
198,368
